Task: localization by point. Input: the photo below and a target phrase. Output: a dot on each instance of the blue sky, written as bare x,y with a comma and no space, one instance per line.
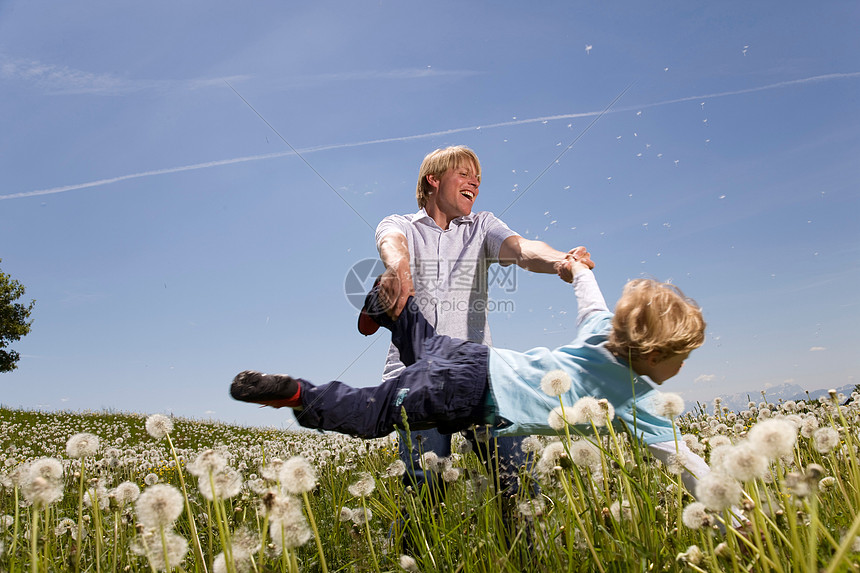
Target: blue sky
172,238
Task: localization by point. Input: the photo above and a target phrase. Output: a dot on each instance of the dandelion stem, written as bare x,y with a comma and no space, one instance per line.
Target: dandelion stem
316,531
198,550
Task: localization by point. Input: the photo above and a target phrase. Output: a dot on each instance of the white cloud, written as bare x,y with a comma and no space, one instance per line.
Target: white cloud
705,378
817,348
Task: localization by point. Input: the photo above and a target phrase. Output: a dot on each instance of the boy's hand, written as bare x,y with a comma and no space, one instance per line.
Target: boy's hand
577,260
581,254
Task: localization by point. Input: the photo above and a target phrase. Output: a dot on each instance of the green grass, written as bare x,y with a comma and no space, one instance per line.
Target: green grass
622,517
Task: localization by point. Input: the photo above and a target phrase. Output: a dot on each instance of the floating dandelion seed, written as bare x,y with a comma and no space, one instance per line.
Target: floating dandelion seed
588,48
82,445
555,383
158,426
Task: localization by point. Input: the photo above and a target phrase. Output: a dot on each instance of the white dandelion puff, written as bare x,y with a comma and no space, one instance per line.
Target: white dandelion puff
82,445
223,485
558,419
158,426
159,506
774,437
696,516
408,564
718,491
825,439
207,462
298,475
395,469
555,383
363,487
669,405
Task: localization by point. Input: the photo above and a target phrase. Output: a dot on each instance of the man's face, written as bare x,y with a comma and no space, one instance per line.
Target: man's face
455,191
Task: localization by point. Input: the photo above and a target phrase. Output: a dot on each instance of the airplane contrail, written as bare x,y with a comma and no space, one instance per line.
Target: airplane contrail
218,163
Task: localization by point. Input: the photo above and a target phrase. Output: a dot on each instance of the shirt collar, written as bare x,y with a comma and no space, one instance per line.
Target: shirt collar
422,216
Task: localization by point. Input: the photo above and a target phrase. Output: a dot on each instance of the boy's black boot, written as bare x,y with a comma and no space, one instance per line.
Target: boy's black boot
252,386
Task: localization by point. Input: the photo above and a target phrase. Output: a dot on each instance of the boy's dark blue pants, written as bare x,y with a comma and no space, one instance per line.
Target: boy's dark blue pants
444,384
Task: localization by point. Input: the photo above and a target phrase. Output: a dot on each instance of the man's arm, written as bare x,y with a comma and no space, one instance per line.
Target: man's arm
396,282
534,256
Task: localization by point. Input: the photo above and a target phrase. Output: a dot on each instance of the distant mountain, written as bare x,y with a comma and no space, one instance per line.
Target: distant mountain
775,394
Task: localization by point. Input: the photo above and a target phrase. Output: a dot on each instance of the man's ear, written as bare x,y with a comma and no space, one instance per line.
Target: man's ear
433,181
654,358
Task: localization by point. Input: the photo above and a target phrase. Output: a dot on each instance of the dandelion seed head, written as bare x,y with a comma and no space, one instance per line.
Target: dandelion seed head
208,461
557,420
298,475
555,383
773,438
696,516
585,454
408,564
395,469
159,506
82,445
42,492
156,548
290,532
361,515
150,479
158,426
223,485
124,493
744,462
669,405
531,445
364,486
693,555
345,514
49,468
587,410
718,491
825,439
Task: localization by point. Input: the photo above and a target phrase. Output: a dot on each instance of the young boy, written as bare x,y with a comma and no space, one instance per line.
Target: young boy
452,384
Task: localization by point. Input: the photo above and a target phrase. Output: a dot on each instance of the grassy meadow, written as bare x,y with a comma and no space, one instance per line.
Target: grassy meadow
128,492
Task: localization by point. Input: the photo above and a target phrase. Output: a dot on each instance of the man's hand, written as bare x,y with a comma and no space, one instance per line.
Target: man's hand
395,287
577,260
581,254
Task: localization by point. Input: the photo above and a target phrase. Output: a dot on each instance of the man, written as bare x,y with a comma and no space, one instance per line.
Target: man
441,255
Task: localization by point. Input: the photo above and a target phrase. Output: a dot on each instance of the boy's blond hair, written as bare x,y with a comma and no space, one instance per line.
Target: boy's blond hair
656,317
438,162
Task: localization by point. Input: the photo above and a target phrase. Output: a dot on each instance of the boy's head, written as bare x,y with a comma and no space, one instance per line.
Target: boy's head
655,327
437,162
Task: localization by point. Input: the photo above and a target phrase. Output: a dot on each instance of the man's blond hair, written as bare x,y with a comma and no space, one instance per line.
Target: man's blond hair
438,162
656,317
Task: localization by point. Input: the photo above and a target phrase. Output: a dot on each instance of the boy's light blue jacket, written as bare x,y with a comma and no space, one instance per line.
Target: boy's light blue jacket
521,407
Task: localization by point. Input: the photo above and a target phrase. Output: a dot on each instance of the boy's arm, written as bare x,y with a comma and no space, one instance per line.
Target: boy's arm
589,299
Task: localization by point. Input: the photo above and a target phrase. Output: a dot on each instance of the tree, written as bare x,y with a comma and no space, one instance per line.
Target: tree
14,319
